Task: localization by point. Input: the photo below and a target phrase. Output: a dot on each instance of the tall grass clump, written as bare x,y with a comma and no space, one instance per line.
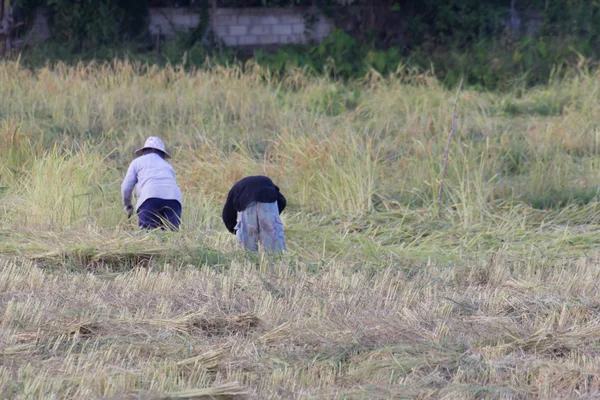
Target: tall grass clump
18,147
61,189
336,148
329,172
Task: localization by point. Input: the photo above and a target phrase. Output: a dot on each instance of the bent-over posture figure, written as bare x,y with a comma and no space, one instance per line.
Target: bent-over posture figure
158,196
252,211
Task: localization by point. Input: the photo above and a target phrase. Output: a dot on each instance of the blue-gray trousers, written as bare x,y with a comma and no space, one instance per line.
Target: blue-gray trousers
260,221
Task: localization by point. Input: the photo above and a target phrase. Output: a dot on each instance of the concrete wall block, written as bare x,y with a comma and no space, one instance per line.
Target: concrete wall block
248,20
292,39
292,19
230,40
298,28
182,21
260,30
238,30
248,40
225,19
269,39
269,20
282,29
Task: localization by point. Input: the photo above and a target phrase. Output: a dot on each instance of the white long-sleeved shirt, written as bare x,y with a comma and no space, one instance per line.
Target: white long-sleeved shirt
152,177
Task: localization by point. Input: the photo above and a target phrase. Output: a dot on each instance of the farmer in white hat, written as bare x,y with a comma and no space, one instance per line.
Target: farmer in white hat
252,212
158,196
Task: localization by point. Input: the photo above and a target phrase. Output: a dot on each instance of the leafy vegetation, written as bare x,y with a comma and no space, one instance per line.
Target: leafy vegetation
479,40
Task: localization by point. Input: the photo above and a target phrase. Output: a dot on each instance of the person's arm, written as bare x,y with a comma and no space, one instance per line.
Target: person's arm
229,213
281,202
128,184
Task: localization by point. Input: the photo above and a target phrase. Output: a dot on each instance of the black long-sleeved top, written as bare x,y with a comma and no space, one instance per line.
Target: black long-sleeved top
246,191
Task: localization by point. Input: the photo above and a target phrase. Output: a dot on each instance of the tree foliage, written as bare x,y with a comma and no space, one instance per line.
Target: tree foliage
91,22
486,41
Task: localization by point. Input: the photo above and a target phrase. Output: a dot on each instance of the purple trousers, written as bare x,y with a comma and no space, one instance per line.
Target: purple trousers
159,213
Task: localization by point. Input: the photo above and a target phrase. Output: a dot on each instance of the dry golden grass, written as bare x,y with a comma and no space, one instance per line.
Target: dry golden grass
500,330
377,297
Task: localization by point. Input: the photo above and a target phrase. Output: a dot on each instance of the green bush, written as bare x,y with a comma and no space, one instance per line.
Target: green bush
84,24
338,55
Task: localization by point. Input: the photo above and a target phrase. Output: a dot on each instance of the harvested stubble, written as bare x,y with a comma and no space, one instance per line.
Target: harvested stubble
341,334
222,392
216,326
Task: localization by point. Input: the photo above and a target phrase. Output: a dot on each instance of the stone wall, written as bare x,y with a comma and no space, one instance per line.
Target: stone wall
237,27
264,26
247,26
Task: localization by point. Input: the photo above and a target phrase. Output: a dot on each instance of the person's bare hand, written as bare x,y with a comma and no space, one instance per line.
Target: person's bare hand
129,211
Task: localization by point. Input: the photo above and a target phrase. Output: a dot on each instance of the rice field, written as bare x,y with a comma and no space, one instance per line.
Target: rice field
383,292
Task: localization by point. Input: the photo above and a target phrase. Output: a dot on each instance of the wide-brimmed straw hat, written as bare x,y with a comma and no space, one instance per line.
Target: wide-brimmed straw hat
153,142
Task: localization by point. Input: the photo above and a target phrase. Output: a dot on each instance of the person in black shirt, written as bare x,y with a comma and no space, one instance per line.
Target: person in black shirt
252,212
